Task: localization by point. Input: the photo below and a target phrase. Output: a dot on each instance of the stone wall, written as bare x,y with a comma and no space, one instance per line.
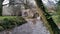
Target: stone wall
7,10
12,10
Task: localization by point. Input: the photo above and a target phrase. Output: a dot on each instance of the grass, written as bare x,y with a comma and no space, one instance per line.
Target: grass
2,17
8,22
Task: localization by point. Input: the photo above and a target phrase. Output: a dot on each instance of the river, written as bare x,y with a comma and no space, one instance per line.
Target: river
37,27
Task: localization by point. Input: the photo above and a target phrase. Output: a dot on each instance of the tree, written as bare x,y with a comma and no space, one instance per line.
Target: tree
58,8
1,1
58,13
47,19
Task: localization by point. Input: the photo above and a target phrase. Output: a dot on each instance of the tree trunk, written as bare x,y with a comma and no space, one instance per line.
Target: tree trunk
50,25
1,1
0,7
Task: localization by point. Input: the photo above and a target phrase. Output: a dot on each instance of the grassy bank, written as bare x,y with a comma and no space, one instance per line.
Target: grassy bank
9,22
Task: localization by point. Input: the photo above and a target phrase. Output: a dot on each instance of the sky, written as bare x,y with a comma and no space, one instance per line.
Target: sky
5,2
44,1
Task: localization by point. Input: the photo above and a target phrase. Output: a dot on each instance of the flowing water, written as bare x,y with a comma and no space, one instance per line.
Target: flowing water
29,28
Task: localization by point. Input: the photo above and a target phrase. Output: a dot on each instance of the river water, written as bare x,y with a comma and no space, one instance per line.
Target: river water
29,28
